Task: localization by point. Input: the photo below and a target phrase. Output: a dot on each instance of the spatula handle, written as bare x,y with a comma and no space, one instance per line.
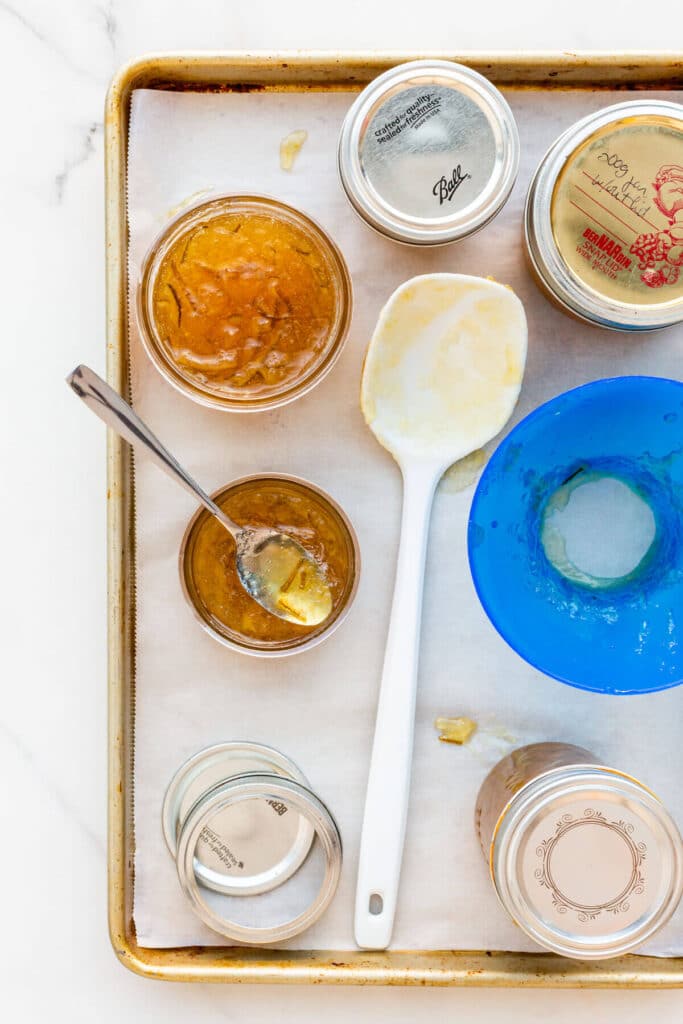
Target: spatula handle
386,802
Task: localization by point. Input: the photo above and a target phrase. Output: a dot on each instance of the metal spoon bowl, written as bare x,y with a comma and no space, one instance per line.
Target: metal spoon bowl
273,568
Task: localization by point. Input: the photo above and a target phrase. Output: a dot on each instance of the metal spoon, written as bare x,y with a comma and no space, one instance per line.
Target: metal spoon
272,567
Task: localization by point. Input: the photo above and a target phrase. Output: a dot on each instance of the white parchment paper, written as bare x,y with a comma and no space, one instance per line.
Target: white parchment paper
319,707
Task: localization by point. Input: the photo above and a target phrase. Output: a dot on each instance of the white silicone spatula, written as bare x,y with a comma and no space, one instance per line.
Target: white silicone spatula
441,377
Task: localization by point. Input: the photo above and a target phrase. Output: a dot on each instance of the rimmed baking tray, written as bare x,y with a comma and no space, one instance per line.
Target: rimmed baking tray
244,72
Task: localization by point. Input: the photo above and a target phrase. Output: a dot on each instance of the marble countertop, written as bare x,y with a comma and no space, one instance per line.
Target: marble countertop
57,59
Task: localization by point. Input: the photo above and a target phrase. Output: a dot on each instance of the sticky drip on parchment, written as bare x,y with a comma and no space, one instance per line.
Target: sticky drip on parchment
464,472
190,200
455,730
290,147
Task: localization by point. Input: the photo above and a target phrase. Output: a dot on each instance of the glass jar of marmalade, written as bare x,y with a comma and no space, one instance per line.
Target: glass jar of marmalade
244,303
209,576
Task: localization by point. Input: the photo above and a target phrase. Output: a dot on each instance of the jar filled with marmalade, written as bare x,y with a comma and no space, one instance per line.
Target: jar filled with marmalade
244,303
209,575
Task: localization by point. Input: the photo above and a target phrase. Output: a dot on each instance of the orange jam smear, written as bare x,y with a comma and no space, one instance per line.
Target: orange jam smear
245,303
209,566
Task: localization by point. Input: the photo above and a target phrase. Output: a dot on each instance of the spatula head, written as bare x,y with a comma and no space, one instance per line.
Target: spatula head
444,367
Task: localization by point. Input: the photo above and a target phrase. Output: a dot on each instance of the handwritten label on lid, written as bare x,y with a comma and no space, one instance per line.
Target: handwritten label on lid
617,211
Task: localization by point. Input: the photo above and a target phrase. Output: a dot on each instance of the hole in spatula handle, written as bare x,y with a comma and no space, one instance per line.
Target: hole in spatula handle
375,904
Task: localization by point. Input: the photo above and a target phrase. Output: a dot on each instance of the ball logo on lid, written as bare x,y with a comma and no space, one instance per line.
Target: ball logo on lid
566,865
445,188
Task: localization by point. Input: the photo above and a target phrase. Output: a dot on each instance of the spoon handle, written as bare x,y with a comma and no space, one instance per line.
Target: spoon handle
386,801
118,414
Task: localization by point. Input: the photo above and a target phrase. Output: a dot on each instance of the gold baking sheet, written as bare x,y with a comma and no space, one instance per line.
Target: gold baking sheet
283,71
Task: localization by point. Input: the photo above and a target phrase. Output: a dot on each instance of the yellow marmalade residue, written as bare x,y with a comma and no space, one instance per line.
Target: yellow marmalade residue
290,147
463,473
455,730
210,571
444,366
245,303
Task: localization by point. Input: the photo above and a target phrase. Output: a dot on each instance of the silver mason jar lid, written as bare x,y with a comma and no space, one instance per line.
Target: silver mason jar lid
258,854
599,191
267,848
588,862
428,152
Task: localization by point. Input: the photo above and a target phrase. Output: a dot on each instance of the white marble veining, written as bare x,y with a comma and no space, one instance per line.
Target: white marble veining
57,58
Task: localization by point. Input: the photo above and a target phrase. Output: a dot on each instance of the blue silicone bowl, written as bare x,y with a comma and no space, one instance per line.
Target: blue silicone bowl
625,637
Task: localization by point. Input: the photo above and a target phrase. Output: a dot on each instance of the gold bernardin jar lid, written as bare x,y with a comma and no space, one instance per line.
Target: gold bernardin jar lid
428,152
604,217
587,861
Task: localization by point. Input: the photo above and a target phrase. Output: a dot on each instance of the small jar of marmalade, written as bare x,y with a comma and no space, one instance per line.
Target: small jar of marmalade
209,576
244,303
